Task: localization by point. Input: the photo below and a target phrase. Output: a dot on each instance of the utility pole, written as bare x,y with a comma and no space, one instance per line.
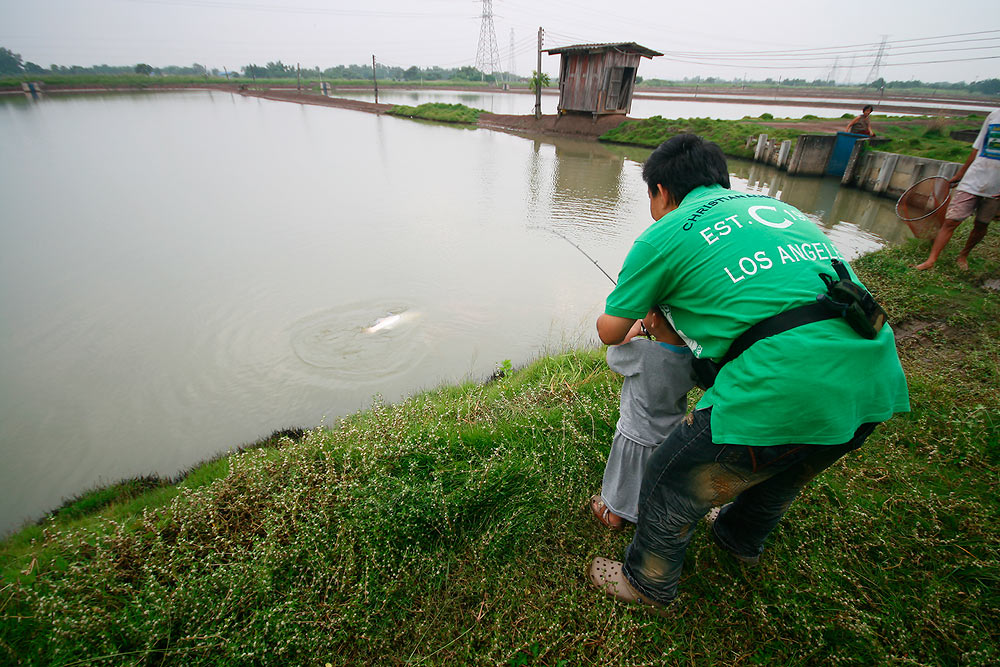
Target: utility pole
374,79
538,77
298,77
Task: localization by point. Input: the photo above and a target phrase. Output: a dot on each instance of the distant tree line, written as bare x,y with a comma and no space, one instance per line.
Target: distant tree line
984,87
279,70
11,64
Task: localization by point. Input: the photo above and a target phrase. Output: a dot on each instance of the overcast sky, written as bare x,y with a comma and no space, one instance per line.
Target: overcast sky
726,38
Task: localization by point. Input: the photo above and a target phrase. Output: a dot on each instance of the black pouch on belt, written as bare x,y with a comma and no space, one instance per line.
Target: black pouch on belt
852,302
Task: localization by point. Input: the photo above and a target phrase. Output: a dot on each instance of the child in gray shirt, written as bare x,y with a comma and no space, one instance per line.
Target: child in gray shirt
658,376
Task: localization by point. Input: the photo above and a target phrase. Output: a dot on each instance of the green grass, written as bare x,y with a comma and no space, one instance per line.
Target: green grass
447,113
730,135
930,141
450,529
112,80
906,137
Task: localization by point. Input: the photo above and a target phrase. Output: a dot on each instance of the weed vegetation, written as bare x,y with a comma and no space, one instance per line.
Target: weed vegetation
451,529
730,135
931,140
921,139
447,113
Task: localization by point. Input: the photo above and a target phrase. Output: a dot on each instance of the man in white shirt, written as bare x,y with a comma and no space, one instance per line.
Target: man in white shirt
978,192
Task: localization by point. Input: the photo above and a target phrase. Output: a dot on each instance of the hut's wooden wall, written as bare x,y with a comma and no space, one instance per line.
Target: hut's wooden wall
585,81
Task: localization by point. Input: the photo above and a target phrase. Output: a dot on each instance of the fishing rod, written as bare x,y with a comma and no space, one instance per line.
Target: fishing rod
645,332
584,254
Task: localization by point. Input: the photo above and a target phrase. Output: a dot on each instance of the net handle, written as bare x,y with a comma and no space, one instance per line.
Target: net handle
930,213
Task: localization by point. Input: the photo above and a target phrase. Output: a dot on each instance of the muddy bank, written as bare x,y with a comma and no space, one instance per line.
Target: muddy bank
572,125
564,125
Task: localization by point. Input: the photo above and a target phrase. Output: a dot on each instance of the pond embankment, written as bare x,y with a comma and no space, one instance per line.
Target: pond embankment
576,126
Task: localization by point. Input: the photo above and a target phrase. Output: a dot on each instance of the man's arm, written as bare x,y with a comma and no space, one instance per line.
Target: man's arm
964,168
613,329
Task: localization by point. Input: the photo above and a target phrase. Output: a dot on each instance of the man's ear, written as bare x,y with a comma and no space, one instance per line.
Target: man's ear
668,198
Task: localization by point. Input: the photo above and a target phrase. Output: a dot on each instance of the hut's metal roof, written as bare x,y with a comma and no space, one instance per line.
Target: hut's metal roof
626,47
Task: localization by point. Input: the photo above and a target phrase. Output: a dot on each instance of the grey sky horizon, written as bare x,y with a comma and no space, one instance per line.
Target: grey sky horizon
726,38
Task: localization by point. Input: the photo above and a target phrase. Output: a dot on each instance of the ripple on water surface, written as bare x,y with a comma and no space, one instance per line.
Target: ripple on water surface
360,343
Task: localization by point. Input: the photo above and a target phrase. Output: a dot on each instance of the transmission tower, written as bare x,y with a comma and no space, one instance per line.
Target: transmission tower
488,54
832,76
510,55
877,65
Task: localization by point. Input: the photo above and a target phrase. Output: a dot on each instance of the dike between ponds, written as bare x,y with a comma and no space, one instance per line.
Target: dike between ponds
572,126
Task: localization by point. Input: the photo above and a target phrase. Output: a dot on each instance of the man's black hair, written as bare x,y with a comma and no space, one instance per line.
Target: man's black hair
684,162
867,106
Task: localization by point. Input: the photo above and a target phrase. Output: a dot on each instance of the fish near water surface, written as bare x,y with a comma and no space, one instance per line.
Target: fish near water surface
390,321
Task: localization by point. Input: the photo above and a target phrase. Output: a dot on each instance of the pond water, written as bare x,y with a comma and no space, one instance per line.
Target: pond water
182,273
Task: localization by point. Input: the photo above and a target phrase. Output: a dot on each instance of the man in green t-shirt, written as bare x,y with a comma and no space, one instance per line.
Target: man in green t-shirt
716,262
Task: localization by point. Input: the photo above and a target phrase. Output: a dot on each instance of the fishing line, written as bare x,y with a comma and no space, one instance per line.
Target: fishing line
584,254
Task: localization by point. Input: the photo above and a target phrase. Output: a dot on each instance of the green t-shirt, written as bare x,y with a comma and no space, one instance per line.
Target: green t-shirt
723,261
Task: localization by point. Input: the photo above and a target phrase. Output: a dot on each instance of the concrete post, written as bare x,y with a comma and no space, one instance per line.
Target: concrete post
784,152
948,169
885,172
761,147
853,162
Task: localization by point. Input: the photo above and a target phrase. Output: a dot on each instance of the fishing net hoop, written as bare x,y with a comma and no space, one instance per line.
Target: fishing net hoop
916,187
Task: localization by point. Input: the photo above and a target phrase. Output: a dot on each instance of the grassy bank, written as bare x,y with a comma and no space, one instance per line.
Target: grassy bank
730,135
447,113
922,137
450,529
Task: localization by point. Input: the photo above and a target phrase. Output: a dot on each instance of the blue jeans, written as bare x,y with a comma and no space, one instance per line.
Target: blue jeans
688,475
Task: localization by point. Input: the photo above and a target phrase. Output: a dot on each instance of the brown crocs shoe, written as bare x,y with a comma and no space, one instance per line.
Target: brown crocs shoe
604,515
607,575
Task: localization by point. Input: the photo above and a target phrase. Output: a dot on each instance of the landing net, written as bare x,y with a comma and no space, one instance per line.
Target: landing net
922,207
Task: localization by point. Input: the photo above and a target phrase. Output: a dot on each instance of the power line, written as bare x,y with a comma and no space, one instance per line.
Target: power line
745,65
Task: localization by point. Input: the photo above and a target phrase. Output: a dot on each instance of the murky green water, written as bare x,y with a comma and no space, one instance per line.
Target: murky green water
181,273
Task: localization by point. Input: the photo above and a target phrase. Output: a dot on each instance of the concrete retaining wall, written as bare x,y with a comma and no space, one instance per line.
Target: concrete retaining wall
812,152
886,174
890,174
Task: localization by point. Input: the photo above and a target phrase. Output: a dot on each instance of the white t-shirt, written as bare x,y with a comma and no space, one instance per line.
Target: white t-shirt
983,175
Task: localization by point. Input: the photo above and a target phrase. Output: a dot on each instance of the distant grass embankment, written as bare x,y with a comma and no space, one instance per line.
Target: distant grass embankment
144,81
451,529
930,140
730,135
927,137
446,113
112,81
